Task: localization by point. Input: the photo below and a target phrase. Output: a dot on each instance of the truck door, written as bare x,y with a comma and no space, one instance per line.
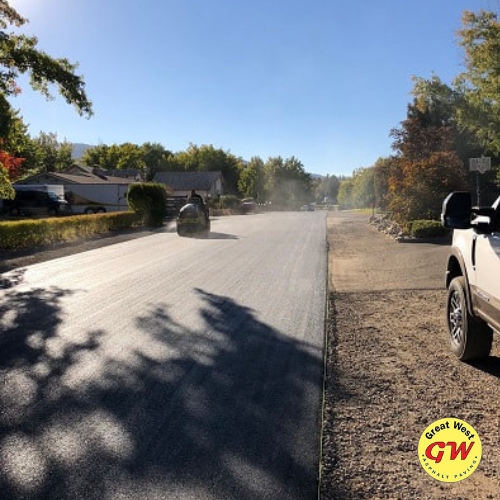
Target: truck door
487,282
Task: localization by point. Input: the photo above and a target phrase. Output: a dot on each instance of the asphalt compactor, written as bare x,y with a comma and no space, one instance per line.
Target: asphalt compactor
193,218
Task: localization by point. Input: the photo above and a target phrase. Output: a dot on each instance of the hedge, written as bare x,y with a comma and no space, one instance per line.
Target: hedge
426,228
149,199
28,233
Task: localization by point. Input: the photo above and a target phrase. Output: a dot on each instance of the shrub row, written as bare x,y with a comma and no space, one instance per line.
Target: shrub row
34,232
426,229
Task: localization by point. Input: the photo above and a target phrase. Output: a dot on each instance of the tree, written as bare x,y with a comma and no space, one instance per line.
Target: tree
9,167
19,55
327,189
15,138
156,159
103,156
288,184
206,158
386,171
126,156
252,181
480,82
344,196
426,162
363,188
419,192
130,157
51,155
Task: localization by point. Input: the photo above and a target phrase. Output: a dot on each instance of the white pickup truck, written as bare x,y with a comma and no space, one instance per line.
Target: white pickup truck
472,275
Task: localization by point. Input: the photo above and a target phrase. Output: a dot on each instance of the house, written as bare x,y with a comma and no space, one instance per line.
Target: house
207,184
64,179
131,174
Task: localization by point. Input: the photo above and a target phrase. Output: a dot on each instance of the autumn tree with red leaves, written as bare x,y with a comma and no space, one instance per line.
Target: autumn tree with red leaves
426,166
9,168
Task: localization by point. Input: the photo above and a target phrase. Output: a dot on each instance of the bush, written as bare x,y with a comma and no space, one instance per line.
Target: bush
149,200
34,232
426,229
229,201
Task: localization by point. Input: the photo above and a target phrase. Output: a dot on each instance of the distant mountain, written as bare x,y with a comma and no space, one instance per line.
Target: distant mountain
79,149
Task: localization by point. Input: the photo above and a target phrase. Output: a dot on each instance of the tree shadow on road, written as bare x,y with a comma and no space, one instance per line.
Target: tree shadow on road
226,410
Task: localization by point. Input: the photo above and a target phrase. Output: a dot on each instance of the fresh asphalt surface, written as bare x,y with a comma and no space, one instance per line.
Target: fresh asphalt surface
168,367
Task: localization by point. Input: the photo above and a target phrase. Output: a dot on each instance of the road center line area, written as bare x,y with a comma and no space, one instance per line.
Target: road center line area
168,367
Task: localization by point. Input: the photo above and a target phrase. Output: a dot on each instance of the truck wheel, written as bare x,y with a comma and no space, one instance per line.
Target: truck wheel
470,337
15,211
89,211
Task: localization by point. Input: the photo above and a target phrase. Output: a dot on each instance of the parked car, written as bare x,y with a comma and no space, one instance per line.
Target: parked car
35,202
248,206
308,208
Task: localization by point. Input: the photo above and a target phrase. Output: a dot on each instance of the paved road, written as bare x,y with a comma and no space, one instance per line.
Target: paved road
167,367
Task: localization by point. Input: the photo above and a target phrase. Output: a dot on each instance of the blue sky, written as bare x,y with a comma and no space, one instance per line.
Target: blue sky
324,81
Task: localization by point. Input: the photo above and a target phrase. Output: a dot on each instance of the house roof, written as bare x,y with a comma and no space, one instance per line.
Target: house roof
76,169
88,178
185,181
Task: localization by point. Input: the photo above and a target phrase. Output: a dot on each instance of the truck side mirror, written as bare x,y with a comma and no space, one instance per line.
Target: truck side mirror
483,218
457,210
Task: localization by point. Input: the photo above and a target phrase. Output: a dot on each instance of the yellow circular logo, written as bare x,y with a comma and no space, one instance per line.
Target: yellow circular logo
449,450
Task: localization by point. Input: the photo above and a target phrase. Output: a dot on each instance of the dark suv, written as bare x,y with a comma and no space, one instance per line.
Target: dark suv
33,202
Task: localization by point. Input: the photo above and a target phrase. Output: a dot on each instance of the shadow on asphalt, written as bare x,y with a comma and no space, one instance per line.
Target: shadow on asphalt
176,411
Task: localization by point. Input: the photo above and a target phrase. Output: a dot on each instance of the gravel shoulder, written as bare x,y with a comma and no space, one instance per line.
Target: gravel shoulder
390,372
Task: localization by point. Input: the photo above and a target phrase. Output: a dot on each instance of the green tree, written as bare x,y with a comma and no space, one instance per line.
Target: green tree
288,184
344,197
131,158
156,159
206,158
252,181
479,37
50,155
363,187
19,55
127,156
327,188
103,156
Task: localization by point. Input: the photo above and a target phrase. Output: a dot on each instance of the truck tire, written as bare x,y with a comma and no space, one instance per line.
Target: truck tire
470,337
